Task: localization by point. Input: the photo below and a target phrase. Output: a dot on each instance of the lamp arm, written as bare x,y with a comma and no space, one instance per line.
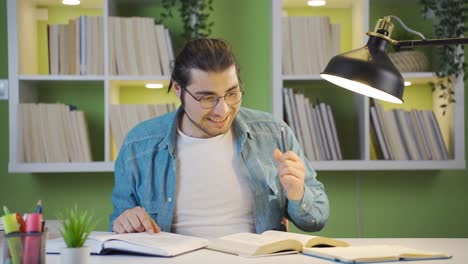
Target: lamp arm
429,42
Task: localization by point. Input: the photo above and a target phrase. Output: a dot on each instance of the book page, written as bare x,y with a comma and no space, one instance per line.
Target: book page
163,243
306,240
280,234
411,253
253,239
248,244
353,254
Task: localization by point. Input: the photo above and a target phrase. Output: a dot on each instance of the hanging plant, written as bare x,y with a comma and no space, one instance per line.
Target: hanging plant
449,18
194,15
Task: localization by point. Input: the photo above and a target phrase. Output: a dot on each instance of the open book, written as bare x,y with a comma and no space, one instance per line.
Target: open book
270,242
373,253
158,244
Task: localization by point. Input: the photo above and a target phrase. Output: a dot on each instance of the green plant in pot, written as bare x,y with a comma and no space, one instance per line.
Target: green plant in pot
76,227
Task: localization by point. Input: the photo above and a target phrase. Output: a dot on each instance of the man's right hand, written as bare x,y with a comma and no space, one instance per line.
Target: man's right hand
135,220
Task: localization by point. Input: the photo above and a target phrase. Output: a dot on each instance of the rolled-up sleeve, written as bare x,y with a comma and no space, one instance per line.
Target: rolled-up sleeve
311,212
123,194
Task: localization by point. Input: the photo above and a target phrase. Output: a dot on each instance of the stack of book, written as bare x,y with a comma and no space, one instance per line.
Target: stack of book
76,48
139,47
308,44
53,133
407,135
123,117
314,126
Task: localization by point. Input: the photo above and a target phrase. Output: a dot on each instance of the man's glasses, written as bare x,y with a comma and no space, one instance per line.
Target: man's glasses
210,101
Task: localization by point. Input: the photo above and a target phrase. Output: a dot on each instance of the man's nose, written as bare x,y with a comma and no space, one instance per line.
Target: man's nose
221,107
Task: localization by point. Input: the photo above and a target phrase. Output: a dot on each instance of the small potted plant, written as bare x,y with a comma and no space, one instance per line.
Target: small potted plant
76,227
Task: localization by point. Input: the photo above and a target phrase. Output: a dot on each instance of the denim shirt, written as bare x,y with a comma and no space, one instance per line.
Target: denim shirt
145,172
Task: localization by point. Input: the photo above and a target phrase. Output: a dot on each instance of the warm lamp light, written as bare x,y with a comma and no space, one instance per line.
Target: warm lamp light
369,71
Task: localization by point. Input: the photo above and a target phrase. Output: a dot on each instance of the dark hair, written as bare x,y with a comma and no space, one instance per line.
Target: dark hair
206,54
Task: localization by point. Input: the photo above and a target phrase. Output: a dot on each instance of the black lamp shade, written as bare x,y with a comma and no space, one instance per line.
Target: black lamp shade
367,71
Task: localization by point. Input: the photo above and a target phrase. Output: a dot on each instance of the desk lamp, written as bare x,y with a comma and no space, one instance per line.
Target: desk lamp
369,71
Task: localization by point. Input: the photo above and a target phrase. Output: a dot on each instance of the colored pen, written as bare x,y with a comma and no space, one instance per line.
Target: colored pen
283,140
5,210
39,207
21,223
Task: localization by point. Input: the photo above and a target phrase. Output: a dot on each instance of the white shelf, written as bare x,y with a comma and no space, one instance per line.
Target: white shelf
60,78
302,78
406,75
374,165
419,75
138,78
61,167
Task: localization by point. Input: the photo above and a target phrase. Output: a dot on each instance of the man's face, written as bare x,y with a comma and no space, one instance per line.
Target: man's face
204,123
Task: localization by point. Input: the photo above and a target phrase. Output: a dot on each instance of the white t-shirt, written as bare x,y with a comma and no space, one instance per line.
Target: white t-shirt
212,198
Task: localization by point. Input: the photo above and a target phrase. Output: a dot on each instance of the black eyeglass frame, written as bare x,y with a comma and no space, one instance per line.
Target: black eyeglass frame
217,98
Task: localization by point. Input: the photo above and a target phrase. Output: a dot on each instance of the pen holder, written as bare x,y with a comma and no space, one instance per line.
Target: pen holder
24,248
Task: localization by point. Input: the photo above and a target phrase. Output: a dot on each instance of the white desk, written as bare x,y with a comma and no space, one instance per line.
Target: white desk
457,247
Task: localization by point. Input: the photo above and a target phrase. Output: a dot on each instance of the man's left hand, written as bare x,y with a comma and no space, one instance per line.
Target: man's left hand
291,172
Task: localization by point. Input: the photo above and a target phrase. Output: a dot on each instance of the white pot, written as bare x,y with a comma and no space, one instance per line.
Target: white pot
74,255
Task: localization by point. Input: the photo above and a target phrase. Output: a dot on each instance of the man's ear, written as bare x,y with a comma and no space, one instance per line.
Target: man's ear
177,89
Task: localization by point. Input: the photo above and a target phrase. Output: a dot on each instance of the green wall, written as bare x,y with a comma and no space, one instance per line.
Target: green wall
368,204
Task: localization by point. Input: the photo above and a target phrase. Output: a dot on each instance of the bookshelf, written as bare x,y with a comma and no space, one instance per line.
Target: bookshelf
353,110
30,81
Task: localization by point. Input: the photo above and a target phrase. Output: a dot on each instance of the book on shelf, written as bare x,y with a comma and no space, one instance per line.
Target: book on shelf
53,133
377,135
269,242
123,117
373,253
158,244
76,47
314,126
336,141
407,135
308,43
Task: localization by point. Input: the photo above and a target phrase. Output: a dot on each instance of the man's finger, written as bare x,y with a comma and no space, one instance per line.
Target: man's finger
290,155
117,227
148,222
277,154
127,226
156,228
136,222
292,171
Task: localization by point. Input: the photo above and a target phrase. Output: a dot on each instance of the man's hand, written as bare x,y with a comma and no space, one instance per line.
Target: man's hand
291,171
135,220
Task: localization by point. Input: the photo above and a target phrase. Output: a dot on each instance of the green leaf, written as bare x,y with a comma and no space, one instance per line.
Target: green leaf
76,226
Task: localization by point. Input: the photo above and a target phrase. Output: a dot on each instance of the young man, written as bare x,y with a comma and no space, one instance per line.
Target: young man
213,168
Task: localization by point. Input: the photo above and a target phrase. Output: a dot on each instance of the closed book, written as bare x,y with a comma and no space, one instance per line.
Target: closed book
373,253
